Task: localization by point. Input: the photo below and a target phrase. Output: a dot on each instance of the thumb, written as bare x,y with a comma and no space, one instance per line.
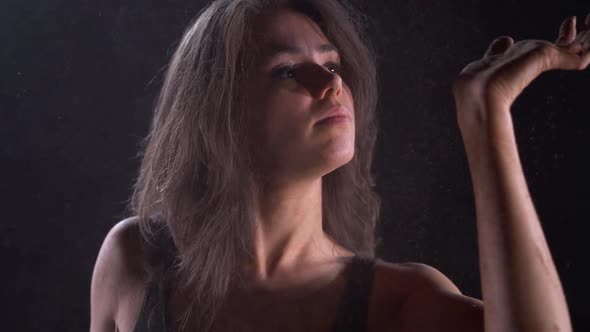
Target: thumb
499,46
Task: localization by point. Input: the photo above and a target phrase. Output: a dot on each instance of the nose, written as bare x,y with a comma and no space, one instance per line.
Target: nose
319,81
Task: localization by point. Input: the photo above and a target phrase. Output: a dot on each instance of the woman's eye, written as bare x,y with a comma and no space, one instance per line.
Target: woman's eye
285,72
288,72
334,67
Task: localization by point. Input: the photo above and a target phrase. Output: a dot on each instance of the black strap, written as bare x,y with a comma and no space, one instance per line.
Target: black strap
353,308
152,316
351,315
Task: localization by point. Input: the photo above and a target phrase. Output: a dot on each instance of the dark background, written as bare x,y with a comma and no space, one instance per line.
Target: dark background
78,80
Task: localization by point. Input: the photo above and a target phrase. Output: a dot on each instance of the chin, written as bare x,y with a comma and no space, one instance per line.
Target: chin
339,148
338,155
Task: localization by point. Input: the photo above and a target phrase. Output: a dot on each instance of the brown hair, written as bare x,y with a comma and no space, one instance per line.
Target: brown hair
196,183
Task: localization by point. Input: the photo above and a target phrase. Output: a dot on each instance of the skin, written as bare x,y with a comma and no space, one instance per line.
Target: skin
290,92
292,252
520,284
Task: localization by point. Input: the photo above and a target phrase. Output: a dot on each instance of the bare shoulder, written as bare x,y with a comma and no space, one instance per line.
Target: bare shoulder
430,300
419,275
118,279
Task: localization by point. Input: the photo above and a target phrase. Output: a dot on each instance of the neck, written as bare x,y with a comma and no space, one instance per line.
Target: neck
289,234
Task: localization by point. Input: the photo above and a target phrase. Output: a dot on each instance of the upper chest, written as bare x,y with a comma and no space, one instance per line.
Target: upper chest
321,311
316,312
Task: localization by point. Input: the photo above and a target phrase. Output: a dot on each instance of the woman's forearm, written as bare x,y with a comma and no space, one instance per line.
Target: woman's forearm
520,285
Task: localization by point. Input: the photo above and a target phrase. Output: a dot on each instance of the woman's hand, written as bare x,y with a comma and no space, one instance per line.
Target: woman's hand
492,83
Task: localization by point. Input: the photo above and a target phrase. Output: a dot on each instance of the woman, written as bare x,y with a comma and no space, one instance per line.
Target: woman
254,208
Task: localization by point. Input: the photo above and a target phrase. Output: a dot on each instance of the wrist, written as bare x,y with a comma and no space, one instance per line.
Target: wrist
478,121
486,131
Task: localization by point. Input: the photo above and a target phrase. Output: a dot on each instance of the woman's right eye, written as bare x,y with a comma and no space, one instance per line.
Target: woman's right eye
285,72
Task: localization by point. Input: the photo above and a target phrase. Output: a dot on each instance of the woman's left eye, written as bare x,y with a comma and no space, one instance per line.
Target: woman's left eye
334,67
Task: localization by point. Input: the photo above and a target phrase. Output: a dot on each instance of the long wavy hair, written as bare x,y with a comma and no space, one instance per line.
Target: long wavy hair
196,189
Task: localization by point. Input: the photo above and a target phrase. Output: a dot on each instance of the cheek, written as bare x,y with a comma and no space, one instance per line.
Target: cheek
348,95
349,100
280,118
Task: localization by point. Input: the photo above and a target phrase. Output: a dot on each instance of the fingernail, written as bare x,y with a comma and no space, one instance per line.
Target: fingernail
567,23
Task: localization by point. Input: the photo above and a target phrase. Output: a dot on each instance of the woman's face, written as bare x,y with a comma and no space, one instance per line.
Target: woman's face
297,82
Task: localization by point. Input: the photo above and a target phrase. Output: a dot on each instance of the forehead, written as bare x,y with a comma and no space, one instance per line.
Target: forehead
283,28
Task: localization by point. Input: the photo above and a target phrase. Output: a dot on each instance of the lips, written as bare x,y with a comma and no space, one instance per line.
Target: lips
336,111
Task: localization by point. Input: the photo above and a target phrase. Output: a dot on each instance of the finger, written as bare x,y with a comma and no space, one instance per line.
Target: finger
499,46
584,35
571,61
567,31
584,41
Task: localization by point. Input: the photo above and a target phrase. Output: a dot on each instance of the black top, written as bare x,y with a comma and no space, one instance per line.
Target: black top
351,315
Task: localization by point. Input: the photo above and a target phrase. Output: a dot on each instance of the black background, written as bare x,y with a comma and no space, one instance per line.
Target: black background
78,80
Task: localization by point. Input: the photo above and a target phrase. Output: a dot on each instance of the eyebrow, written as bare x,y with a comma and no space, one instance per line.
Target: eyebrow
274,50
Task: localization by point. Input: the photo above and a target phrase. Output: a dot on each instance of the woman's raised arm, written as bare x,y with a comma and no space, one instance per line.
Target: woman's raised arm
520,285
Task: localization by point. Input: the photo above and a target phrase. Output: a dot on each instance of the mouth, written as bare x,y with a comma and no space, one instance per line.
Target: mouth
335,115
336,119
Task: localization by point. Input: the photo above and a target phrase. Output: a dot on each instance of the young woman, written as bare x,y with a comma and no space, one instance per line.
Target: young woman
254,208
